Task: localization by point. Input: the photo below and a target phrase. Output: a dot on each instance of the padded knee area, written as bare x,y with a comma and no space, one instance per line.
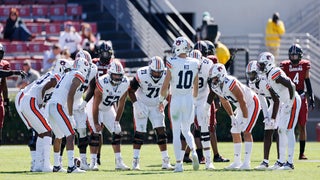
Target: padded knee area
162,139
116,139
83,144
138,138
197,133
94,140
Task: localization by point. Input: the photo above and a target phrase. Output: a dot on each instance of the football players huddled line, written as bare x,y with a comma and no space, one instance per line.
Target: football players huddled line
189,81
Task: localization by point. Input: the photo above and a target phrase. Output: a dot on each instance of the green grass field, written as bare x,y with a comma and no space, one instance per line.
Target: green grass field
15,164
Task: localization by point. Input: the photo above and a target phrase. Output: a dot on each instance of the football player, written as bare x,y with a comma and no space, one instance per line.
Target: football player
110,88
243,118
60,108
290,104
182,77
298,70
259,84
144,94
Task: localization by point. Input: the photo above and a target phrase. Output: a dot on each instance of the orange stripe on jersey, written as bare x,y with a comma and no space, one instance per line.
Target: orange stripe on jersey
20,97
169,65
233,84
99,86
79,77
268,86
275,75
293,114
254,114
38,114
65,118
57,77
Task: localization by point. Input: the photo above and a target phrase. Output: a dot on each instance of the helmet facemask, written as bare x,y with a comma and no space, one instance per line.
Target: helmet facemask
156,75
116,79
252,77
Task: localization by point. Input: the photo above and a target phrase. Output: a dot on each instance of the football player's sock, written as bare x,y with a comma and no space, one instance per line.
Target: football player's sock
39,152
70,154
117,155
283,142
302,146
56,159
247,151
83,156
207,154
291,144
164,154
93,158
136,153
237,152
46,151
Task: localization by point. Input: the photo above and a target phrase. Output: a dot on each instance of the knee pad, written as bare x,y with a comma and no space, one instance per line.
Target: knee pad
94,140
197,133
138,138
33,140
162,139
205,136
83,144
116,139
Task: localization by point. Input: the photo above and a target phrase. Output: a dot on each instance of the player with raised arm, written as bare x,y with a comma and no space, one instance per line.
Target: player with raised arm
259,84
290,104
60,108
182,77
243,118
144,94
298,70
110,88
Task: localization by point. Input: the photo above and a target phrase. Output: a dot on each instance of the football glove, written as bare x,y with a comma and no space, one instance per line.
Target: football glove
311,103
117,127
82,106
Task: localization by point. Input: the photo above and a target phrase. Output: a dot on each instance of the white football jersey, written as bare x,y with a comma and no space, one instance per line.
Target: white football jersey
263,88
93,72
60,93
148,92
228,85
183,72
111,94
281,90
36,89
203,78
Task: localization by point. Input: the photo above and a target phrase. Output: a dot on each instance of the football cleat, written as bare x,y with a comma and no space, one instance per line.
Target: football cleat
84,165
195,160
178,167
186,159
219,158
233,166
93,166
276,165
262,166
120,165
302,157
135,164
166,164
287,166
245,166
47,169
74,169
58,169
209,165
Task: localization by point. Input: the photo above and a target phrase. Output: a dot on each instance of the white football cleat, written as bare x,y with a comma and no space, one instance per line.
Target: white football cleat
178,167
93,166
195,160
47,169
209,165
262,166
120,165
84,165
166,164
276,166
74,169
59,169
233,166
135,164
245,166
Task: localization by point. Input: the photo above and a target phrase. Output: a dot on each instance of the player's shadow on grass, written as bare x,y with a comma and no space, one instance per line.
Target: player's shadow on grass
14,172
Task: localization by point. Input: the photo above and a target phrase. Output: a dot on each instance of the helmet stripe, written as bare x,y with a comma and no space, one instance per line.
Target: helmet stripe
158,64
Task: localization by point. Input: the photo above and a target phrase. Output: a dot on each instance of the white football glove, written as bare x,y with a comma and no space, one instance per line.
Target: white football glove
72,121
269,123
165,102
233,121
139,110
117,127
82,105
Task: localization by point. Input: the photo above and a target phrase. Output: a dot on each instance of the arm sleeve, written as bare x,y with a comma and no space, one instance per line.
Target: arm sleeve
4,73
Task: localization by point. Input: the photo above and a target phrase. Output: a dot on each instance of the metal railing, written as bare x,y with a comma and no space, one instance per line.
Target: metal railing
136,26
254,43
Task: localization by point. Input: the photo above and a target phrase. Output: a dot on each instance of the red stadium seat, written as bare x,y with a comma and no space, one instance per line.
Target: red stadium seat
53,29
57,10
39,10
37,47
94,27
4,12
15,47
35,28
22,57
24,11
16,65
74,10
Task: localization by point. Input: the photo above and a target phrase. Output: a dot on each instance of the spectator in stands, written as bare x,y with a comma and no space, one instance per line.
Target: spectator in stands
88,39
208,30
15,29
32,75
274,30
50,56
70,39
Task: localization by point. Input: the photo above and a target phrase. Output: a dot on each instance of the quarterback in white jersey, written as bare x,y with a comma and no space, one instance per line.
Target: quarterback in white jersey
290,104
60,108
111,88
144,94
202,109
182,77
259,84
247,104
